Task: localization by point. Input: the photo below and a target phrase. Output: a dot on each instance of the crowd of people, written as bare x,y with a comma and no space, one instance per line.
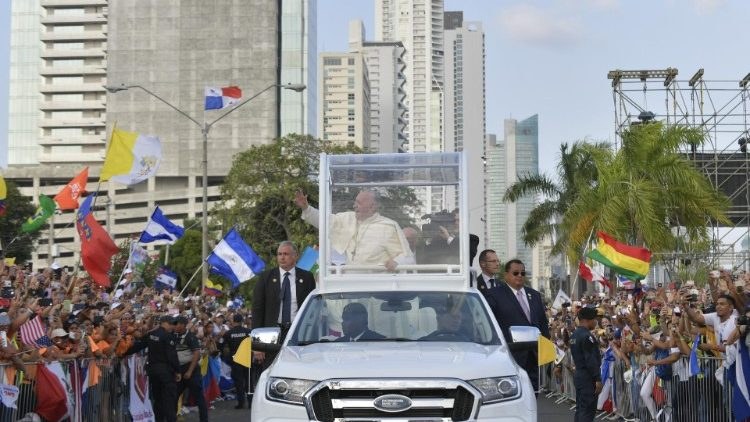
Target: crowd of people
54,315
677,342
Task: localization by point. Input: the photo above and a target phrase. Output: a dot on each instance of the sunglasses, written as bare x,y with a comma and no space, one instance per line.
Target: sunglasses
516,273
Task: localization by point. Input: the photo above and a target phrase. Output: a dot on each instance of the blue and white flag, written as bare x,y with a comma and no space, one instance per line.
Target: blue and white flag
160,228
167,278
739,378
235,259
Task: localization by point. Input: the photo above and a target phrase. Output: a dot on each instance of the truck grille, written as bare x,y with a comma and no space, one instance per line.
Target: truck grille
431,400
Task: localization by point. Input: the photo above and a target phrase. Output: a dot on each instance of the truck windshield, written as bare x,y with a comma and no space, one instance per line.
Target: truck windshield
394,316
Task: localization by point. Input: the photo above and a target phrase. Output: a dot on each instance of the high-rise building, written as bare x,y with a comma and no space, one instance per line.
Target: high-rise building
173,49
298,64
418,25
385,69
517,154
344,102
57,69
464,108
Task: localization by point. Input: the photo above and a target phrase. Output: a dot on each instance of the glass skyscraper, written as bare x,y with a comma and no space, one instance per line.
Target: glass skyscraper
299,51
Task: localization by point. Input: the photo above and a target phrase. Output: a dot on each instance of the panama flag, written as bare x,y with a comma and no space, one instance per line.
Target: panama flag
218,98
235,259
160,227
131,158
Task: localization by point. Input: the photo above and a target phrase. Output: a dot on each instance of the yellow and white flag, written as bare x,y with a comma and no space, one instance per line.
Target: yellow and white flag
131,157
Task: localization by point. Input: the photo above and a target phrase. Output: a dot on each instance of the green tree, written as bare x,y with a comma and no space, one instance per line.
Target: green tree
647,193
575,171
18,209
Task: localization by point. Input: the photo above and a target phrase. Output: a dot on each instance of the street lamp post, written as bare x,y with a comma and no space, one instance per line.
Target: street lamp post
205,128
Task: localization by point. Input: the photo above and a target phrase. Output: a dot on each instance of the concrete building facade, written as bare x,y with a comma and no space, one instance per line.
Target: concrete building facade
174,50
516,154
385,70
298,65
57,108
418,25
344,102
464,108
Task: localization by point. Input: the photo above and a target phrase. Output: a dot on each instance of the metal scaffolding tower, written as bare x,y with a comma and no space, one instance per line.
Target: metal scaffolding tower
719,108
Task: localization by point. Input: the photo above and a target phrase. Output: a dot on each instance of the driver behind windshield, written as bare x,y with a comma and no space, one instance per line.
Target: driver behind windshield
354,324
449,322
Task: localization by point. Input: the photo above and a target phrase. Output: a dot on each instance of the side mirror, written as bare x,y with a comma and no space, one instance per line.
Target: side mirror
523,337
266,339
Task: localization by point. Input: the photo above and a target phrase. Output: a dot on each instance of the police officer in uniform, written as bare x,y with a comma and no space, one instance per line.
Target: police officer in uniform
587,359
163,368
232,340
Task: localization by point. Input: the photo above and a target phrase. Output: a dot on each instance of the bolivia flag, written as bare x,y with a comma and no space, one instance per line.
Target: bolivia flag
630,261
131,158
218,98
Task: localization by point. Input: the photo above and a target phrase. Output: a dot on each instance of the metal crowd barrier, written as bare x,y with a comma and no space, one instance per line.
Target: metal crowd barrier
700,398
104,398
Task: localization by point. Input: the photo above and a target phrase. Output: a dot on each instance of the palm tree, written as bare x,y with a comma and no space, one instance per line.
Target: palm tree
575,171
644,190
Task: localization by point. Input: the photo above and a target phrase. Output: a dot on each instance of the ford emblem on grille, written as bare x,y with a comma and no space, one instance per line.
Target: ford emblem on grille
392,403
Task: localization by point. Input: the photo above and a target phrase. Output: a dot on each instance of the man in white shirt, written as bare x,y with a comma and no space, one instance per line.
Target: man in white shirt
363,236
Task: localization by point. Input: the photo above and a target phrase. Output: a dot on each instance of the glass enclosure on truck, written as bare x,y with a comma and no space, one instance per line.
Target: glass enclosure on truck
393,215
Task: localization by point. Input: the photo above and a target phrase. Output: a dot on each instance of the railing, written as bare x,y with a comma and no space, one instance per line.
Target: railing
639,395
95,390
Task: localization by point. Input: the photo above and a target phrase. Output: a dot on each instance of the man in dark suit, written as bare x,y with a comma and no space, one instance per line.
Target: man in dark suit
512,303
280,292
354,324
490,265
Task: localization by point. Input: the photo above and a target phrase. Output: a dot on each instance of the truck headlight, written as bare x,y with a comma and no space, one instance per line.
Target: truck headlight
498,389
288,390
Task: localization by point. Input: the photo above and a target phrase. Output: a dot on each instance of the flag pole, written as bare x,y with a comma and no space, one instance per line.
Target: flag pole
191,278
574,291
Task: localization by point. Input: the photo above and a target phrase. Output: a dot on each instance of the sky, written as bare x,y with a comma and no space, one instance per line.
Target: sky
551,57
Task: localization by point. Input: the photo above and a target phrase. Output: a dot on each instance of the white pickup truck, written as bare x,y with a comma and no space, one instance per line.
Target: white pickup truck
432,352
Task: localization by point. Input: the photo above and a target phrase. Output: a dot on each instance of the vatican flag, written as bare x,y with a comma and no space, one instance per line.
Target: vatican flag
547,351
131,157
244,352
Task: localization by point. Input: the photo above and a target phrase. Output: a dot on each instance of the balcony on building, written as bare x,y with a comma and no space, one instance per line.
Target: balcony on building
73,140
83,53
72,105
67,4
83,122
73,19
70,88
72,71
73,36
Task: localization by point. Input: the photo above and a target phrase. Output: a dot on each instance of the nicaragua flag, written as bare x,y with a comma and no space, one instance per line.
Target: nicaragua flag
160,228
167,278
218,98
235,259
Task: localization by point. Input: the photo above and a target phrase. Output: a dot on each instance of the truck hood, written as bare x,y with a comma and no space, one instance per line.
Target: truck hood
460,360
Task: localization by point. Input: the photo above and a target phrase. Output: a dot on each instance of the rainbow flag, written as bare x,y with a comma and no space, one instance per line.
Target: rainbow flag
630,261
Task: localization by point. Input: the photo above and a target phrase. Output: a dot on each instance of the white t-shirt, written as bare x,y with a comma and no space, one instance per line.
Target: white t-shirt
722,329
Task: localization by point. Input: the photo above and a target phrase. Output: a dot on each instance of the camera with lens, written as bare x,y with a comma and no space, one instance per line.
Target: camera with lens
7,292
743,320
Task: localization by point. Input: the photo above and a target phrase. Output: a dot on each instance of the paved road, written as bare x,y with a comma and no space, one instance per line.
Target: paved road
548,411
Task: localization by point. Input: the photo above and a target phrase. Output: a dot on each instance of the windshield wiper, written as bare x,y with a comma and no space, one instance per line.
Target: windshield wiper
307,343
